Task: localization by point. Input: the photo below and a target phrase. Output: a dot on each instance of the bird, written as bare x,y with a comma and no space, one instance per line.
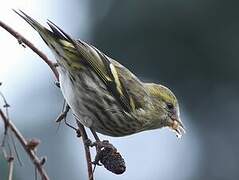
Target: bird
103,94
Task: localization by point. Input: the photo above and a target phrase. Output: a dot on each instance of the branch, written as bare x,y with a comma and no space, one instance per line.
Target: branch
10,164
35,160
87,150
106,153
10,160
21,39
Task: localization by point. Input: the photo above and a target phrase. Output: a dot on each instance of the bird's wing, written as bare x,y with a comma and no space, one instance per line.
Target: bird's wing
133,86
77,52
123,84
106,71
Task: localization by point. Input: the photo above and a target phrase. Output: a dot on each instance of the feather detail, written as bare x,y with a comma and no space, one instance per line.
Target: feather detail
77,53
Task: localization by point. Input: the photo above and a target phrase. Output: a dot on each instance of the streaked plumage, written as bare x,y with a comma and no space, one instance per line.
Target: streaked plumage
103,94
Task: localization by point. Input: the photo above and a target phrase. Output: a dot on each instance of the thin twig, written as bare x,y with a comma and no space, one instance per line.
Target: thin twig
21,39
52,66
15,148
10,165
6,134
10,160
35,160
87,150
6,105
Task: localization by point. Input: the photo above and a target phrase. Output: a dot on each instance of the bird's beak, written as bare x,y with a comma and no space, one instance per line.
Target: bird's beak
177,126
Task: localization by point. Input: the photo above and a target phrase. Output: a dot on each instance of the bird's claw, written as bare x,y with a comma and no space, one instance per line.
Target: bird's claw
88,142
96,162
102,144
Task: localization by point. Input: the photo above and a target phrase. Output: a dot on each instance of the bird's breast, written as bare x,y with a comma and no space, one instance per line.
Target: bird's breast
93,105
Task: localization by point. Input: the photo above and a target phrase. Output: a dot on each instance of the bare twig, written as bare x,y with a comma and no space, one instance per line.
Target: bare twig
21,40
15,149
9,135
35,160
10,165
109,156
6,105
52,66
10,160
87,150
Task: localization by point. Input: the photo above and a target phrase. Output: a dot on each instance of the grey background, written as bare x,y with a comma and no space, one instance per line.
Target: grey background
189,46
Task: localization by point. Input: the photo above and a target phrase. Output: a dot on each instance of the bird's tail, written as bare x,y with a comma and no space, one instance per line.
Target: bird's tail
57,40
76,54
46,35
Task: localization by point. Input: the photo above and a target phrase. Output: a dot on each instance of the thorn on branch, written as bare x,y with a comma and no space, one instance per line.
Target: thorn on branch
78,133
10,158
43,160
20,41
6,105
33,143
24,144
57,83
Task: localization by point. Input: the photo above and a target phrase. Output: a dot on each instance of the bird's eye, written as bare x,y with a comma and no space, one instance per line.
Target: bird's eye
170,106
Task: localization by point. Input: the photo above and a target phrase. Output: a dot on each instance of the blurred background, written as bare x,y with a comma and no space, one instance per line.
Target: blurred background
189,46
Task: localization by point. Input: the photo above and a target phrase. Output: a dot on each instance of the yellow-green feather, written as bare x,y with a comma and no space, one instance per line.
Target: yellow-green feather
73,53
161,92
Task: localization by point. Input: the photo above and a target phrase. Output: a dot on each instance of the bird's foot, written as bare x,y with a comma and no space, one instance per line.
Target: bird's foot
63,115
102,148
99,145
107,155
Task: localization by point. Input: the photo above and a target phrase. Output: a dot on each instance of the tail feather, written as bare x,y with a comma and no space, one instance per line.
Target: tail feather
59,32
37,26
50,37
55,37
55,31
75,53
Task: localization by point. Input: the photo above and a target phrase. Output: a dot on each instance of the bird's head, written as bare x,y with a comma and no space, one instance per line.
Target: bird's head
164,109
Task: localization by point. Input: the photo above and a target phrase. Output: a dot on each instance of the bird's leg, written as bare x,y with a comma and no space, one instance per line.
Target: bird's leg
100,146
62,117
94,134
57,83
63,114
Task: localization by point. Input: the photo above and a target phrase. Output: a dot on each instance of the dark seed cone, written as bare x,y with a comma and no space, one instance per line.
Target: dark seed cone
112,160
